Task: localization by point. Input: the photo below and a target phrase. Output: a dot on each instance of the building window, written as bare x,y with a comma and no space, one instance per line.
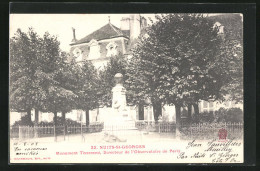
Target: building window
111,49
205,104
211,107
94,52
211,104
78,54
208,106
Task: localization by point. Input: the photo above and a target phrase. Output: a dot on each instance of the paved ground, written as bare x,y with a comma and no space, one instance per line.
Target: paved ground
129,136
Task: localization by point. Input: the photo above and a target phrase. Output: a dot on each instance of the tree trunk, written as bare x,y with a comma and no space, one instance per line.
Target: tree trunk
55,126
28,117
36,122
63,118
64,122
178,120
157,111
141,111
87,117
55,119
36,116
189,113
97,114
196,111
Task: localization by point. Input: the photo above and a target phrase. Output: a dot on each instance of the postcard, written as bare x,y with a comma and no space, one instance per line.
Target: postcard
126,88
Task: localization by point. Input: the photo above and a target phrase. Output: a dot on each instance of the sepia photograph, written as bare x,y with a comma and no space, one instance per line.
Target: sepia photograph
126,88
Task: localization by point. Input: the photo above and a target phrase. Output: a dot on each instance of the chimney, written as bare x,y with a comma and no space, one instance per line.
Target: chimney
125,23
74,35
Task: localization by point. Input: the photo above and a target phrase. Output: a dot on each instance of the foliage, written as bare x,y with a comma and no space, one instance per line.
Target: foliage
183,58
233,115
25,90
60,122
58,80
172,63
203,117
86,85
231,62
229,115
24,121
39,76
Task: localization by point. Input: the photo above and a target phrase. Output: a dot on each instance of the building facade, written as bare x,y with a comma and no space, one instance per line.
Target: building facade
107,41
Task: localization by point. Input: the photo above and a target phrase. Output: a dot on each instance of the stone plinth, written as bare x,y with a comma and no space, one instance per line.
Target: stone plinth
120,118
119,121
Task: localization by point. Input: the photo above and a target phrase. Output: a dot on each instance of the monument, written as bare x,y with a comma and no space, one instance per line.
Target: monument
120,118
119,97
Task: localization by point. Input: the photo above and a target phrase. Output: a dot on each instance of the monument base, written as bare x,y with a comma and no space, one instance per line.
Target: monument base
118,129
119,124
120,121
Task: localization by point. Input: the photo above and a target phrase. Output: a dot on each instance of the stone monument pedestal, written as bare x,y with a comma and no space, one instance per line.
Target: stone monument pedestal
119,121
120,118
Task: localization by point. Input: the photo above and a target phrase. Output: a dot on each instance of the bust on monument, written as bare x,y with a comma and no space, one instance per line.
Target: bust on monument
119,94
118,78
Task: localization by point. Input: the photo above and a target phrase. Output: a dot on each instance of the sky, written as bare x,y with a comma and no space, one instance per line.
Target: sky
61,25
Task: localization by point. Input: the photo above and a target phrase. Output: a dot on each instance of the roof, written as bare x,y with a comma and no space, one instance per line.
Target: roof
226,19
106,32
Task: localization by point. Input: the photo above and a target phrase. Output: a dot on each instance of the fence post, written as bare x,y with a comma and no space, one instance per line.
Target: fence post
19,130
68,132
64,132
159,127
190,131
36,131
40,131
27,132
82,138
54,131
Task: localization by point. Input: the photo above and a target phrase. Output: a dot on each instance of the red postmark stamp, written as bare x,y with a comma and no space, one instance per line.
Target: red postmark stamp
222,134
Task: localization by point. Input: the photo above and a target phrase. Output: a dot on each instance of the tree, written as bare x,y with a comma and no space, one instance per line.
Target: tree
231,61
56,78
25,90
67,79
174,62
39,77
87,86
